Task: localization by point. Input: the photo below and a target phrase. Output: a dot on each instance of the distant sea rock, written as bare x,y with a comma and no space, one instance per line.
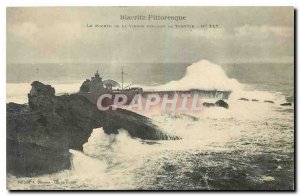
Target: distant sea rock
286,104
219,103
222,103
268,101
254,100
243,99
40,134
206,104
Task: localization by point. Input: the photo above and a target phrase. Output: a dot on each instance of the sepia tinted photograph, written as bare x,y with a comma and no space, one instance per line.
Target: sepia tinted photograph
150,98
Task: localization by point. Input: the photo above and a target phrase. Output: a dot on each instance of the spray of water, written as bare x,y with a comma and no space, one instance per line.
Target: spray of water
122,162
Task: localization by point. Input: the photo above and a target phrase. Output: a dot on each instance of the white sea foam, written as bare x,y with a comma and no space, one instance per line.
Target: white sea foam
111,161
209,130
202,75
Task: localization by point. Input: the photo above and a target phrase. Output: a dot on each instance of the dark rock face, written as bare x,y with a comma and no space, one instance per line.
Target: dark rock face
40,135
268,101
206,104
41,96
16,108
219,103
286,104
243,99
222,103
85,86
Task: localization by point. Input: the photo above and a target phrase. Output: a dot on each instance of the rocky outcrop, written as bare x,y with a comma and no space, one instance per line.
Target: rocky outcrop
40,134
222,103
243,99
219,103
268,101
206,104
85,86
41,96
254,100
286,104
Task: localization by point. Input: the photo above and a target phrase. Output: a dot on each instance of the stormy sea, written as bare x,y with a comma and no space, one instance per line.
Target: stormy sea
249,146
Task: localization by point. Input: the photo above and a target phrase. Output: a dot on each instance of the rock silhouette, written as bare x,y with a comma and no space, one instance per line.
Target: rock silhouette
40,134
286,104
243,99
268,101
206,104
222,103
219,103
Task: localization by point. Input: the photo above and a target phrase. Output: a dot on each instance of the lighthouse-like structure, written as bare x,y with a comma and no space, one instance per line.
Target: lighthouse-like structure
95,87
96,83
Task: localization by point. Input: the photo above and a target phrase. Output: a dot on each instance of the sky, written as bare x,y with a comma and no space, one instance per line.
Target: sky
61,35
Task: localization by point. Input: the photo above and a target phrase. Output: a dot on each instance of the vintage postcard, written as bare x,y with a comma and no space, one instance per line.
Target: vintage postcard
150,98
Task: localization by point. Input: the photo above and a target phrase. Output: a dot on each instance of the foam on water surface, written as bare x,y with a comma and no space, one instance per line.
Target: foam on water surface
237,139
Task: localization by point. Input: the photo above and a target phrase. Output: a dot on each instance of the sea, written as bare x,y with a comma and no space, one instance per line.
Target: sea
249,146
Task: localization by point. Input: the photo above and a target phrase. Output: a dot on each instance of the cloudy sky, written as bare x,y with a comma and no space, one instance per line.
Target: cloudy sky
60,35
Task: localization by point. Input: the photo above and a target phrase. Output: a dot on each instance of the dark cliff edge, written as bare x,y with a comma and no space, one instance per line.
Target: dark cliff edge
40,134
